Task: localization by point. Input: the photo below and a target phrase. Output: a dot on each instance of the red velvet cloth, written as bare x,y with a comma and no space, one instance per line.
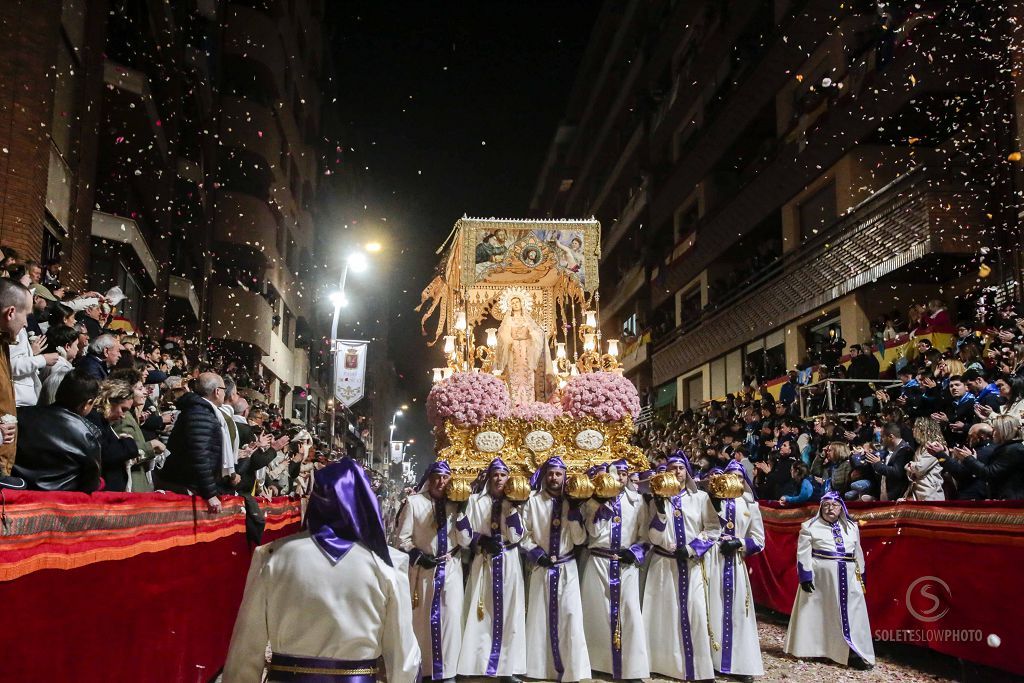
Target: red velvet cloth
976,549
163,615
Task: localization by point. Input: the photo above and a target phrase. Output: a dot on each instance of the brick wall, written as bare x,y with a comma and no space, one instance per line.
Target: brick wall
28,47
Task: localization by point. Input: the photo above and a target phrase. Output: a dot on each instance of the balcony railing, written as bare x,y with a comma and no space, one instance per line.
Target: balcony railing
844,397
913,216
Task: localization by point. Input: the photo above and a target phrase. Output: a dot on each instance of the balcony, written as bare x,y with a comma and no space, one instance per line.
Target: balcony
182,288
253,127
279,359
912,217
251,33
127,89
878,96
107,226
630,283
621,227
249,222
241,316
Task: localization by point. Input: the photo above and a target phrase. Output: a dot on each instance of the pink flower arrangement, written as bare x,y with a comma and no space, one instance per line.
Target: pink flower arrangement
607,396
467,399
537,411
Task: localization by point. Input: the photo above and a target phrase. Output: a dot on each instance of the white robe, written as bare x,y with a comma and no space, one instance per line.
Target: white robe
816,623
479,646
680,649
418,533
304,605
631,641
735,629
572,644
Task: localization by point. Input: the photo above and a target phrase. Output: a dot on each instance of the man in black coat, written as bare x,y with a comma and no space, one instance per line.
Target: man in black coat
863,365
60,450
891,466
196,442
968,485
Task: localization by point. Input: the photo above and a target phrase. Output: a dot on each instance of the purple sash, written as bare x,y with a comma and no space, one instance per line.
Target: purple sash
615,588
436,644
683,564
319,670
554,547
728,585
844,585
497,591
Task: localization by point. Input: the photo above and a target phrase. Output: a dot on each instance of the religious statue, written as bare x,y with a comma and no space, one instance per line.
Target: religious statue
522,355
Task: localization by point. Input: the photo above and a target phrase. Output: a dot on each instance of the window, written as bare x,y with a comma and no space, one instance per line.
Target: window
689,306
823,338
631,326
686,220
818,211
695,391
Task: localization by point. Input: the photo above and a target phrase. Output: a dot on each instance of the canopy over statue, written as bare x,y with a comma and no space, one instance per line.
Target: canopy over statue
525,376
523,286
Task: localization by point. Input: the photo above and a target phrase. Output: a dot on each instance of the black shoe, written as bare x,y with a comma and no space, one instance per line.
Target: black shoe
742,678
511,679
859,664
16,483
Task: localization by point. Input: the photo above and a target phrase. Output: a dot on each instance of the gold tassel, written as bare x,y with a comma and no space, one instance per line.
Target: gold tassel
416,597
480,607
707,606
618,635
860,580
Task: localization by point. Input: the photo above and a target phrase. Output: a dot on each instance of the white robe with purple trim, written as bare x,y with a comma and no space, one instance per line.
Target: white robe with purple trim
483,654
816,624
679,649
304,605
733,619
572,644
418,533
631,642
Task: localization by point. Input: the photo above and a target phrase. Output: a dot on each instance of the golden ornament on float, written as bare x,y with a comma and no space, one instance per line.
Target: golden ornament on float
579,487
517,488
458,491
665,485
606,485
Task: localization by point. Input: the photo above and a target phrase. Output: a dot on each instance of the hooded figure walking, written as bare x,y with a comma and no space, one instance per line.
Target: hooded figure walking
330,600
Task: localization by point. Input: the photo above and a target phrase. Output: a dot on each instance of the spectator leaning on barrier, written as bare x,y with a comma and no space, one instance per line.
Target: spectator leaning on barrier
196,443
117,450
60,449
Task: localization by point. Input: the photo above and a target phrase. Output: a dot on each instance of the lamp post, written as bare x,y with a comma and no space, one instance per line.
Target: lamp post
357,262
391,436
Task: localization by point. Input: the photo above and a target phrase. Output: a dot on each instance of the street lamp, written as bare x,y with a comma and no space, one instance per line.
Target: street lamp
358,262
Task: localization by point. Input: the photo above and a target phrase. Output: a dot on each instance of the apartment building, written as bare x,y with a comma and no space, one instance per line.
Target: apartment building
774,174
169,148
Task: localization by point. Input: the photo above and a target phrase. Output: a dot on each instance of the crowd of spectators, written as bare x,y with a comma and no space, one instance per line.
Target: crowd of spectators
939,423
86,404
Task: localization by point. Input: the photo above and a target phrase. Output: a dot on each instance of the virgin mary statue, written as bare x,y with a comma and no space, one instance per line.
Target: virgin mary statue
522,355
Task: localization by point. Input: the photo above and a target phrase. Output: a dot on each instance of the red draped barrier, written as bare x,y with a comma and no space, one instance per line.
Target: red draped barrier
122,587
940,575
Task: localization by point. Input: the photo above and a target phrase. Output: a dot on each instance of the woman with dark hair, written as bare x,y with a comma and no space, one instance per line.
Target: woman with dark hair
63,341
801,482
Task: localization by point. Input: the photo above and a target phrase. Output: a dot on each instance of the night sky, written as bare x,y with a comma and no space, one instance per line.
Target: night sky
445,109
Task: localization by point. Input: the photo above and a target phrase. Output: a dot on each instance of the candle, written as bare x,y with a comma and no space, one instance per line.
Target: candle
588,342
460,321
438,375
591,320
449,344
492,337
560,350
613,347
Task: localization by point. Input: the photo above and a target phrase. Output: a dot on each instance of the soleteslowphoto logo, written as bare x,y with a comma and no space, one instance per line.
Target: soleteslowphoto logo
928,598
